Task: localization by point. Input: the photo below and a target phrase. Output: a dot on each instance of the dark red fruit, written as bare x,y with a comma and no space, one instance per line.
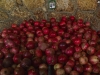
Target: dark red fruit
62,58
51,60
30,45
62,45
32,72
17,58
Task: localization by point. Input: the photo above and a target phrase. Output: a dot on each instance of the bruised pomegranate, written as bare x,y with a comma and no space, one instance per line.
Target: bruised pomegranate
60,72
25,63
5,71
43,72
36,61
19,71
68,69
57,66
7,62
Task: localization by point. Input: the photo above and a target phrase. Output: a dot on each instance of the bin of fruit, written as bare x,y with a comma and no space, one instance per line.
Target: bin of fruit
66,47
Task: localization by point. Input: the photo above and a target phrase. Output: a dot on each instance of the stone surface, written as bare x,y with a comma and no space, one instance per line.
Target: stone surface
58,15
87,16
98,26
17,21
4,25
98,14
87,4
3,15
15,11
7,4
94,24
20,13
64,5
39,14
98,11
33,4
19,2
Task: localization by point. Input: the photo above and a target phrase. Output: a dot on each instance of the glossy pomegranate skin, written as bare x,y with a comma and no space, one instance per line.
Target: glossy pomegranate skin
62,45
45,31
27,54
30,45
17,58
77,41
32,72
38,53
51,60
49,51
62,58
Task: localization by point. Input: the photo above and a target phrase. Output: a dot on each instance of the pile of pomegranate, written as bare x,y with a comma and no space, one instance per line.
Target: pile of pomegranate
70,47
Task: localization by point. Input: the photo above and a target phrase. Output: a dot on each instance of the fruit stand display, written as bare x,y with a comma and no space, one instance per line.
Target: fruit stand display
66,47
